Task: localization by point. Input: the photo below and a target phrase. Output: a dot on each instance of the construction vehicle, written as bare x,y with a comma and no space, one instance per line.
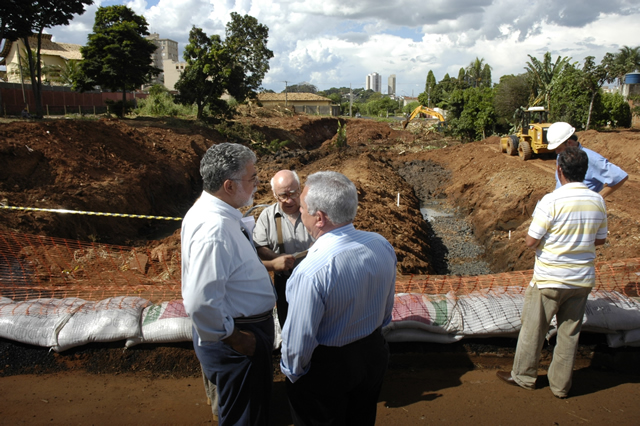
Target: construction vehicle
423,110
531,137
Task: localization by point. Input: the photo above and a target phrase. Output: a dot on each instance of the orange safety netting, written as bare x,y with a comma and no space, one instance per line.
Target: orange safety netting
35,267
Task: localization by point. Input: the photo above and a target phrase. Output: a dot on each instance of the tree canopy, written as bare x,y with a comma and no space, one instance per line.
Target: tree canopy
21,19
544,75
117,55
235,65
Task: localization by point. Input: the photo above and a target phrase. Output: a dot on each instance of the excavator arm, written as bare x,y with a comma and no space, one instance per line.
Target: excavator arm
422,110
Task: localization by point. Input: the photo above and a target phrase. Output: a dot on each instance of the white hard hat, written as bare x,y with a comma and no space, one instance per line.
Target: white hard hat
558,133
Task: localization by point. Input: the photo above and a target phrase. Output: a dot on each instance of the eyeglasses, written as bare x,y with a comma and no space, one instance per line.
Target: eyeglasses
254,180
288,194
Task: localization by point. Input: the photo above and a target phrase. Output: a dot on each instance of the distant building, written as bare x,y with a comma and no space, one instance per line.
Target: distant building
166,50
408,99
374,82
172,72
309,103
53,56
391,85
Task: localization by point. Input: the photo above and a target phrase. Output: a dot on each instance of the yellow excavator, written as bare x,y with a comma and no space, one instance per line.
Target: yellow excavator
423,110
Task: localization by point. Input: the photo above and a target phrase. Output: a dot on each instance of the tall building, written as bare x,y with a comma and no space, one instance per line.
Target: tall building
374,82
166,50
391,85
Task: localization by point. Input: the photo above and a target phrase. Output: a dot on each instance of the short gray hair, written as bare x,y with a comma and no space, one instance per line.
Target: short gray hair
222,162
334,194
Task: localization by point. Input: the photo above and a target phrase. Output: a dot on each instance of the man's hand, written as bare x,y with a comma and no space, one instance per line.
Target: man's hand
242,341
283,263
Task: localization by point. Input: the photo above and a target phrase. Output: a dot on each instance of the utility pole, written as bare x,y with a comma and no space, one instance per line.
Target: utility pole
350,100
285,93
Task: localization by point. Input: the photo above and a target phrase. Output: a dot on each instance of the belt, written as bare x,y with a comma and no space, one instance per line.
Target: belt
253,318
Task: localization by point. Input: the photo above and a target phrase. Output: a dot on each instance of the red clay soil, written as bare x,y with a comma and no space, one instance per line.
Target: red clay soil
150,167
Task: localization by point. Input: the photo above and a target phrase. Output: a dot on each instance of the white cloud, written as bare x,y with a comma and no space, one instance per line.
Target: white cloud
334,43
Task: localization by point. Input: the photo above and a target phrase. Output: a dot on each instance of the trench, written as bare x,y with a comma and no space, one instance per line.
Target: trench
453,248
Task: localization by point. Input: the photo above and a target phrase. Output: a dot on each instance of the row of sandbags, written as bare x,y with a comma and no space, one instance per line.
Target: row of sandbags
61,324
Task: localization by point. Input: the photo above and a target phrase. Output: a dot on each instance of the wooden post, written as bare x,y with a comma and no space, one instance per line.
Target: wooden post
48,109
94,110
79,110
65,109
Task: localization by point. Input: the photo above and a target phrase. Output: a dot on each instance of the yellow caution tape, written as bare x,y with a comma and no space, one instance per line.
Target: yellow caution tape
64,211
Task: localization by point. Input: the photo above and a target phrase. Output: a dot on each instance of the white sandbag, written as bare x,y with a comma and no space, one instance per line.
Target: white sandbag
615,340
164,323
624,338
109,320
36,322
412,310
417,335
610,311
632,337
489,313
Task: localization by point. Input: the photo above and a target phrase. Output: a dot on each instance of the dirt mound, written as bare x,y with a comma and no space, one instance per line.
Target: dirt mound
150,167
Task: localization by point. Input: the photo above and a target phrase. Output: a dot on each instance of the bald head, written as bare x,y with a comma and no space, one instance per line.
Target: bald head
286,188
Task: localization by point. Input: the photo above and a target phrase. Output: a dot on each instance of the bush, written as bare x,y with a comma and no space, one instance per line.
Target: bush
161,103
616,110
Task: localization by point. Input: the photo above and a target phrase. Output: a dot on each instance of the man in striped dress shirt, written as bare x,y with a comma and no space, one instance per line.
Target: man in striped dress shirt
340,296
567,226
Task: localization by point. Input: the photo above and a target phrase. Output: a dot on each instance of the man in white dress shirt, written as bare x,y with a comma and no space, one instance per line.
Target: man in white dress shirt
226,289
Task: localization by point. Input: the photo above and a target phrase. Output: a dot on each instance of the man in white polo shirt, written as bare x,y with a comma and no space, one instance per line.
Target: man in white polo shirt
567,226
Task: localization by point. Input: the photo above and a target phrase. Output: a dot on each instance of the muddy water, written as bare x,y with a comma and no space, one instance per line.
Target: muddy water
454,249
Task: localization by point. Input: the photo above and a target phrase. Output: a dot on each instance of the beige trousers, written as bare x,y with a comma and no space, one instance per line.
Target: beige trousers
540,305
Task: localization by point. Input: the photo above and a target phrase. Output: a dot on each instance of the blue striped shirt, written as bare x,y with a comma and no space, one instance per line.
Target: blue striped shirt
341,292
567,222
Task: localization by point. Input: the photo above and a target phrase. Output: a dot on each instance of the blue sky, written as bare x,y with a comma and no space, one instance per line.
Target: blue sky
333,43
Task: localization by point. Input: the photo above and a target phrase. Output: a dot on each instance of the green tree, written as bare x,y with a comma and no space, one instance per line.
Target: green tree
486,76
236,65
117,56
303,87
594,76
474,113
246,42
570,101
625,61
543,75
335,98
408,108
381,106
202,82
617,112
478,73
511,94
463,79
24,18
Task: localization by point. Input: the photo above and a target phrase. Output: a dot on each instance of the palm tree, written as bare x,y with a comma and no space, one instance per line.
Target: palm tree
544,76
475,72
627,60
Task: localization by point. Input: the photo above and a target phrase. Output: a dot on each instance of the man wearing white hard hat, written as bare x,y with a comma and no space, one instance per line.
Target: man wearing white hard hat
602,176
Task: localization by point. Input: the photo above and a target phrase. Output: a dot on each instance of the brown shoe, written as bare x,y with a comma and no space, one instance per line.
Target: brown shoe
505,376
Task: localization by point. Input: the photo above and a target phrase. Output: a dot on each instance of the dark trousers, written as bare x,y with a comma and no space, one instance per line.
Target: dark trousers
343,384
280,283
243,382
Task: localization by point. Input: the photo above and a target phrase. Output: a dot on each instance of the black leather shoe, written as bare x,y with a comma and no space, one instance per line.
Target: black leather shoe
505,376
